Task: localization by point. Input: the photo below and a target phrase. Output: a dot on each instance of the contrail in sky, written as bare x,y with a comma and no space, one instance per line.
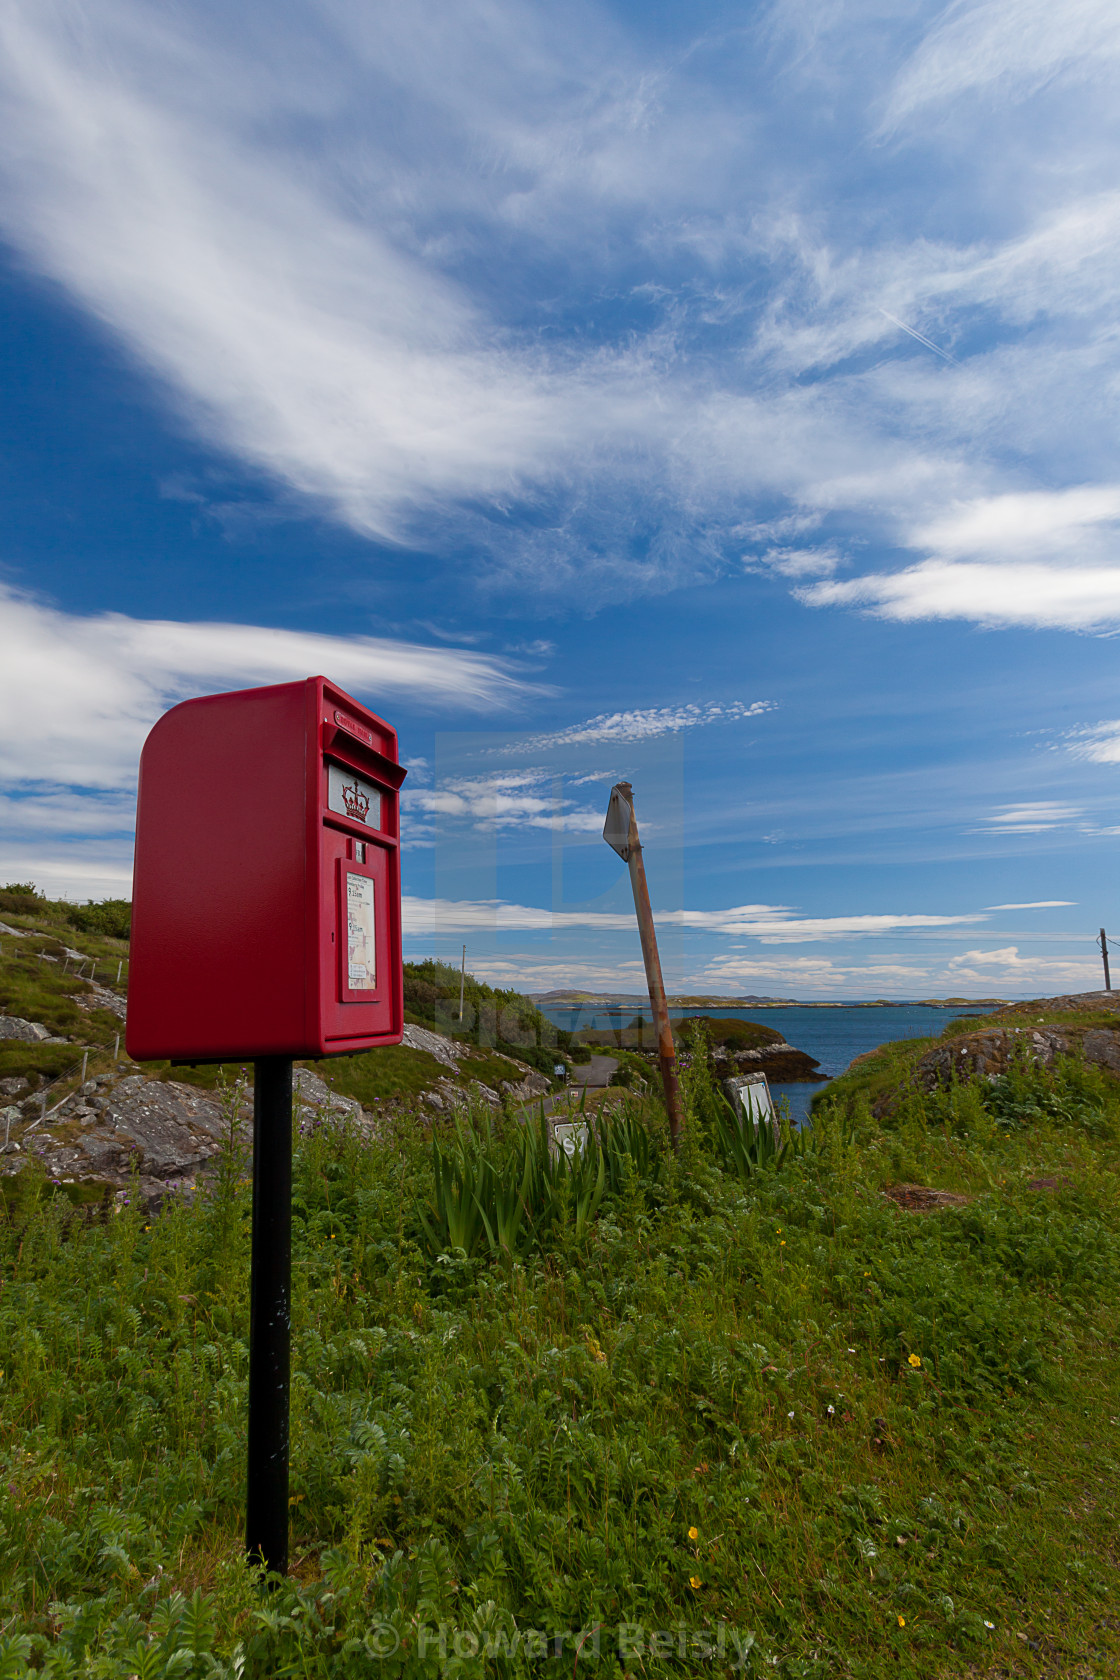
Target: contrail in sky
921,337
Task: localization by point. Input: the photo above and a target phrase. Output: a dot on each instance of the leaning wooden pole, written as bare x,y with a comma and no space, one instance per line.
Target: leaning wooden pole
666,1050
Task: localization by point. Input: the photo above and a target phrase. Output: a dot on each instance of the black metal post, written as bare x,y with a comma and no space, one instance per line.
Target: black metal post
270,1324
1103,943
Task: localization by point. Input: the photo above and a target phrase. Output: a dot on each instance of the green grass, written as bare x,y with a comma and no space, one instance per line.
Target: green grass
887,1430
37,990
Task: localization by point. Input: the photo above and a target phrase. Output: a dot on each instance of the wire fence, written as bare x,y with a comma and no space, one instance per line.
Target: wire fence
77,1069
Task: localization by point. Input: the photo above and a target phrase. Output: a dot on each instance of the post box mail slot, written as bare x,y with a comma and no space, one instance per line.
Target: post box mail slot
266,909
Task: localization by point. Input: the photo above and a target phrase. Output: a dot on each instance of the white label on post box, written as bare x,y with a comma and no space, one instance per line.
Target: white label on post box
351,797
361,952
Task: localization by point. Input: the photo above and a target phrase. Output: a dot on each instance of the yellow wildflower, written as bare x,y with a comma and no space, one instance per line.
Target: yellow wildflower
914,1361
695,1582
902,1621
694,1534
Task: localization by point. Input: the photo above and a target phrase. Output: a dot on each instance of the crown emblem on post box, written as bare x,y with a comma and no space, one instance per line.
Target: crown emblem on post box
356,802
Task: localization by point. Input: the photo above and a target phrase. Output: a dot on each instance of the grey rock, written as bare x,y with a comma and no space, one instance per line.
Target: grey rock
166,1132
988,1054
314,1099
524,1090
28,1032
444,1050
1102,1046
101,997
14,1085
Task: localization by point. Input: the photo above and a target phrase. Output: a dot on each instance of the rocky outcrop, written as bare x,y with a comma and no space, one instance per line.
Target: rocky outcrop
28,1032
991,1052
1071,1002
446,1095
445,1050
100,997
781,1063
158,1136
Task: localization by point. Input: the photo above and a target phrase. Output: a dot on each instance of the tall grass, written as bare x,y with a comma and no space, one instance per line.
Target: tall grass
867,1442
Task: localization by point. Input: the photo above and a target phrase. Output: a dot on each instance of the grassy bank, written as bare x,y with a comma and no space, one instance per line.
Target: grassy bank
43,980
777,1422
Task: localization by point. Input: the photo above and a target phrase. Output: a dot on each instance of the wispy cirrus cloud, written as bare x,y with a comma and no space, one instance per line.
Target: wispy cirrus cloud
1007,48
79,693
1037,904
624,728
1098,743
305,260
1033,817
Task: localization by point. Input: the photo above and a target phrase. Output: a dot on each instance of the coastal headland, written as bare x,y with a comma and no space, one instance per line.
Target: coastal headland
681,1000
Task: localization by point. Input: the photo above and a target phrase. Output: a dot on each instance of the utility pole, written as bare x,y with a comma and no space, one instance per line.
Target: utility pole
620,831
462,982
1103,943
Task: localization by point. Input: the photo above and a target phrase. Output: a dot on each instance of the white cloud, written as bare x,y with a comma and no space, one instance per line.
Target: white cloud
301,338
1008,48
79,694
1099,743
1037,904
1034,817
1034,597
623,728
1020,523
1036,973
517,799
772,924
796,562
295,219
86,869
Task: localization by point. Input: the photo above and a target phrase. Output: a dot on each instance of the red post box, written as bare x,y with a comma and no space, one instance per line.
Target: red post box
266,913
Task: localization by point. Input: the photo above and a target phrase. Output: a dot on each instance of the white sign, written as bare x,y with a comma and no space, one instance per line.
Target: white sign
361,949
352,797
750,1093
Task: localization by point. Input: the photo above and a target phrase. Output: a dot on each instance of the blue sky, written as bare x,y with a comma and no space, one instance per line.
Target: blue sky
719,396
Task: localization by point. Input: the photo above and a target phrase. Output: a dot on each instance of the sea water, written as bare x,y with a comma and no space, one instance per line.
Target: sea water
833,1034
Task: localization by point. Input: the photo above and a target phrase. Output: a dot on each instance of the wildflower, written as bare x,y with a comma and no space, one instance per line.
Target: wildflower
694,1534
789,1414
851,1350
914,1361
902,1621
866,1274
831,1411
695,1582
782,1244
988,1624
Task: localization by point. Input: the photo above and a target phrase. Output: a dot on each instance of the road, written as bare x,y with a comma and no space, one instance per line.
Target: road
589,1076
595,1074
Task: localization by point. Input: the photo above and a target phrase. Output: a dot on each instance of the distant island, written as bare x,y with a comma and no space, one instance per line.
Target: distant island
676,1000
680,1000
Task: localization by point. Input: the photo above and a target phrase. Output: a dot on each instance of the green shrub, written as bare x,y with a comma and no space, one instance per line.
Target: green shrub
109,916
